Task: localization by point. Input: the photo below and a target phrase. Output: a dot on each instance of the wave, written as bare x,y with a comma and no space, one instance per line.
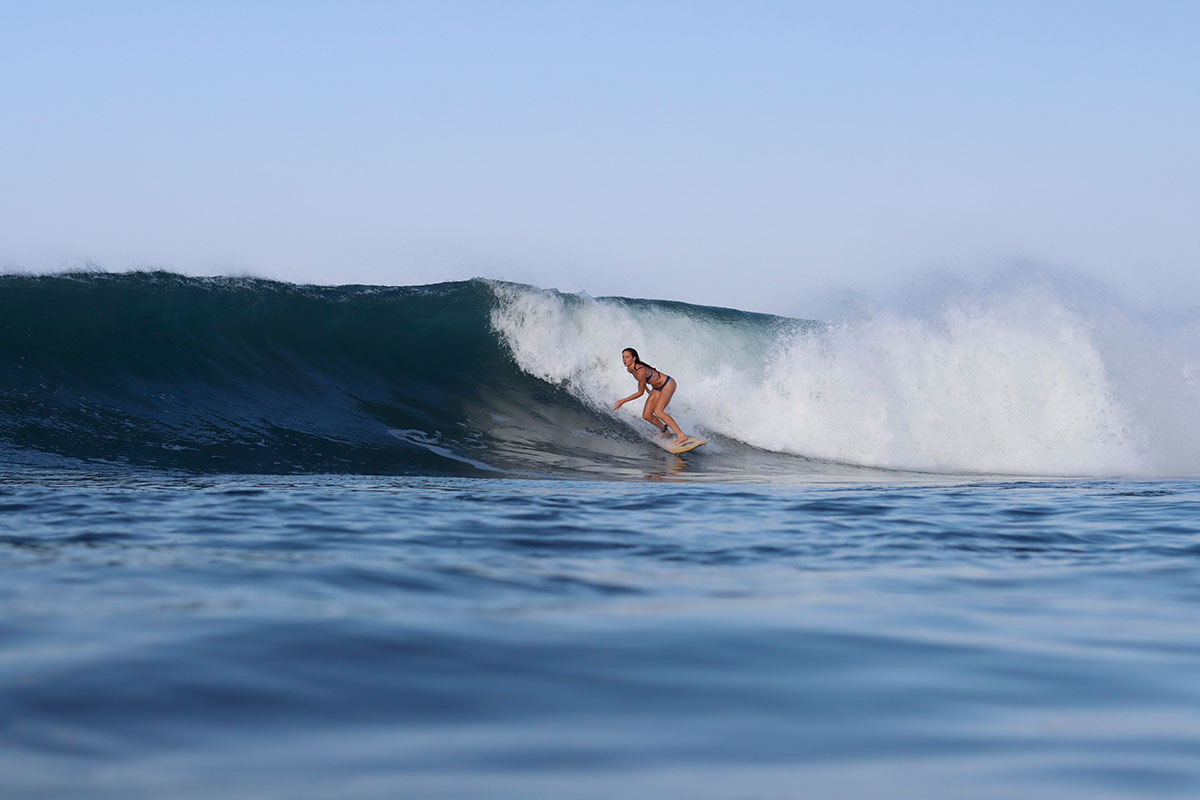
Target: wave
483,378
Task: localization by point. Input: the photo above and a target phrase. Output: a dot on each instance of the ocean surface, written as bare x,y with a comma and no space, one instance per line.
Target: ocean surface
272,541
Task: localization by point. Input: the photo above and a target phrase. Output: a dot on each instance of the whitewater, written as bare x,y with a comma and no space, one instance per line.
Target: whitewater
1016,383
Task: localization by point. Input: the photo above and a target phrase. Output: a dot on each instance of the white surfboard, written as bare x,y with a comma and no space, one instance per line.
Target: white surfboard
689,443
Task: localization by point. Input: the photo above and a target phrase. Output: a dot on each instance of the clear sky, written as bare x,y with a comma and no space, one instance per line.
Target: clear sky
737,153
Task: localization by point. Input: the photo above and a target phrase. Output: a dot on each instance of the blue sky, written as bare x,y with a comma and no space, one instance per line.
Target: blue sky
746,154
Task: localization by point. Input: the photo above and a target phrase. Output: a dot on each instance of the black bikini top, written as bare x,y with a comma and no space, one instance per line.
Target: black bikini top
653,372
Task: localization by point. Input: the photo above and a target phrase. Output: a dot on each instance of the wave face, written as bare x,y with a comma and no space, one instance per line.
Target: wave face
485,378
238,375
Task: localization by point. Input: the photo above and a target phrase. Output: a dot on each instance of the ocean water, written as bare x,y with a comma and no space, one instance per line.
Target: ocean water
261,540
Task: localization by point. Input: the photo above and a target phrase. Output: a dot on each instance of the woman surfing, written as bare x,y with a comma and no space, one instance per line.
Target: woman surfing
661,387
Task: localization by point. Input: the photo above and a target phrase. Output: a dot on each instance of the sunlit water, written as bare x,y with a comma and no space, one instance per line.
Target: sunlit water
417,637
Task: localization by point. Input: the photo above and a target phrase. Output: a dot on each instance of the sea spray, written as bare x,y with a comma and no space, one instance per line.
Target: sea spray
1007,384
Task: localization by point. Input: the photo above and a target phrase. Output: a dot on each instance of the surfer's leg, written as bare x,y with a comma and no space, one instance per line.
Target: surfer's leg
661,398
648,413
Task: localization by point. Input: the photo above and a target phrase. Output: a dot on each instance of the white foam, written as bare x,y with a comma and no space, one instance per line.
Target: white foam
1015,381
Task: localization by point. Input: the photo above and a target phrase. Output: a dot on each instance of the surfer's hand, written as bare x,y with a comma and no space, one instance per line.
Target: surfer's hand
618,404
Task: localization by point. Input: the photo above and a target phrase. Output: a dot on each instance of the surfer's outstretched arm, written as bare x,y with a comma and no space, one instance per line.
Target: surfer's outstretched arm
641,379
641,391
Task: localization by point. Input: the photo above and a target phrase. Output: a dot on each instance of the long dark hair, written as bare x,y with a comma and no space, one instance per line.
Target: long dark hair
637,361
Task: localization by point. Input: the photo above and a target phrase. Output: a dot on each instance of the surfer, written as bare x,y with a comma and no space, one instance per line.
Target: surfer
661,387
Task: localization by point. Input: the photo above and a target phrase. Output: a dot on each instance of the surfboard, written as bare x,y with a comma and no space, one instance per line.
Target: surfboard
690,443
